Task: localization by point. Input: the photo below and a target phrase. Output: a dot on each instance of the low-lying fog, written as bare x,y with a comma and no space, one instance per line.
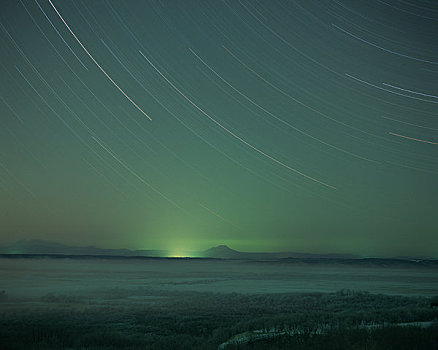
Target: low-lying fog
36,277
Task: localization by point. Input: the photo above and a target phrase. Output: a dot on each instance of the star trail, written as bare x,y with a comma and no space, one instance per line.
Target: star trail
293,125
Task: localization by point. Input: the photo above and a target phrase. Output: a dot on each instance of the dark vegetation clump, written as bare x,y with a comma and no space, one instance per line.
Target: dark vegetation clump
148,319
386,338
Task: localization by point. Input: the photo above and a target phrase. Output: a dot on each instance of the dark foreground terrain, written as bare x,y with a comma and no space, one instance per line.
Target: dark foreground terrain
180,304
142,319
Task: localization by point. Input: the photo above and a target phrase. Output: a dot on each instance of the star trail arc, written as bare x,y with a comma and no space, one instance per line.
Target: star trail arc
96,63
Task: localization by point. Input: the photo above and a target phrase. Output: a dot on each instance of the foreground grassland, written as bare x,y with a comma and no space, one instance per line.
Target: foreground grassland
144,318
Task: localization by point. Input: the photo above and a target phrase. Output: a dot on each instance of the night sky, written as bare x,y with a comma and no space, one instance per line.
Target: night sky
306,126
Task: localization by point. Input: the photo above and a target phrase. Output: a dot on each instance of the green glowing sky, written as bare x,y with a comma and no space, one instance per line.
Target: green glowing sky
306,126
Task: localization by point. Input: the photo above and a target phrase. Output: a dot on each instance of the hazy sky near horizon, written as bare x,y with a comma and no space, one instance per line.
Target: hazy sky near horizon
265,125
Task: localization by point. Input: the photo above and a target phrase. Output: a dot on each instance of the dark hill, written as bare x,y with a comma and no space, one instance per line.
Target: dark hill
222,252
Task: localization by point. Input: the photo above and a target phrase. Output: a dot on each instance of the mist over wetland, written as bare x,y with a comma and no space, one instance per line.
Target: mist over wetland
35,277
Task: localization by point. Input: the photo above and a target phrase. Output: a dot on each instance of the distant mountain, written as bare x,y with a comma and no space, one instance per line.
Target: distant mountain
46,247
41,247
221,252
30,248
224,252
